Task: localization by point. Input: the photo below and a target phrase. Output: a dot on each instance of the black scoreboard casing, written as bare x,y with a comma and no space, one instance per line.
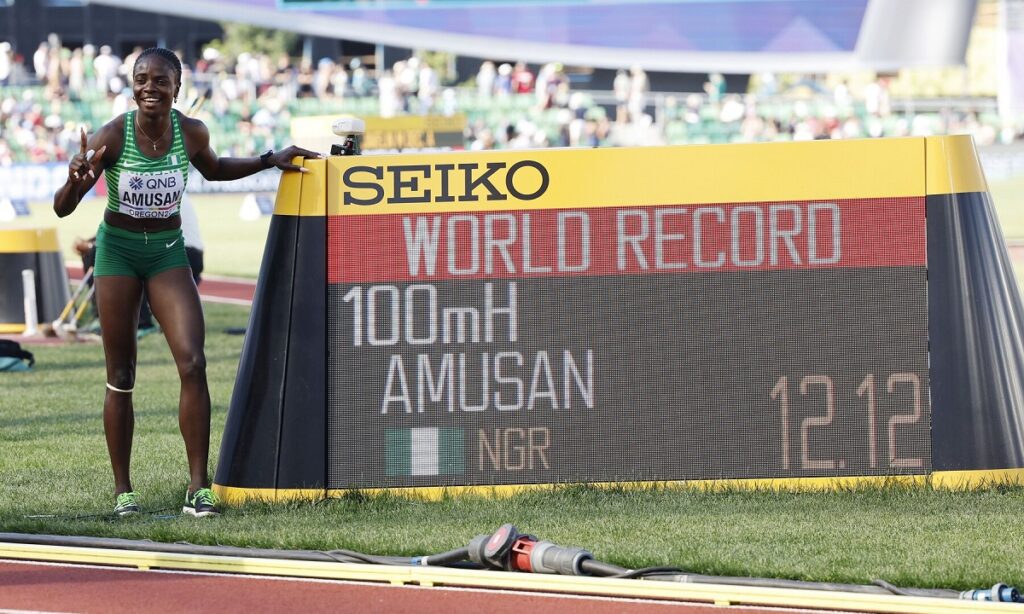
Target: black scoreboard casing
469,342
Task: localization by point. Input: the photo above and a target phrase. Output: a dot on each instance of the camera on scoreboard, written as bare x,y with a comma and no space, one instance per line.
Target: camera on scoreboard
348,125
351,129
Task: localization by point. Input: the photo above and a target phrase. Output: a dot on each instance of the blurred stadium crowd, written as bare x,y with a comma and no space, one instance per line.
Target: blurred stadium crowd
252,98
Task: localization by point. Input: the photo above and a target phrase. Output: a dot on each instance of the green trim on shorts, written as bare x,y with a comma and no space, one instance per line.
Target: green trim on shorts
142,255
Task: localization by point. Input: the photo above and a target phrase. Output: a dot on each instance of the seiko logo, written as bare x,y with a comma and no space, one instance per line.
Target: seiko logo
524,180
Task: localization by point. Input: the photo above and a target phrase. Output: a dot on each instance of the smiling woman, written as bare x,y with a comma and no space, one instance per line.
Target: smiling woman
138,248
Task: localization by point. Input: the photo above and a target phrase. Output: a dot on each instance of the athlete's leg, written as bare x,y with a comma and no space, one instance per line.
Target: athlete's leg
145,314
118,300
175,302
195,262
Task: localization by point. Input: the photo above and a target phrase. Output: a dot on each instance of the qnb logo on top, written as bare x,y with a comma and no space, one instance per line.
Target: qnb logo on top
150,195
444,183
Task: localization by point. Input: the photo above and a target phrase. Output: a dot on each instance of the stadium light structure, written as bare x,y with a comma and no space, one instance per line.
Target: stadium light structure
731,36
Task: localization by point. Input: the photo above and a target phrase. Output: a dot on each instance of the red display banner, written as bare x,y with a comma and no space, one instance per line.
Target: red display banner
764,236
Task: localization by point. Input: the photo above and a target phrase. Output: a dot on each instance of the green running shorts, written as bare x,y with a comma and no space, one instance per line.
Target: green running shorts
138,254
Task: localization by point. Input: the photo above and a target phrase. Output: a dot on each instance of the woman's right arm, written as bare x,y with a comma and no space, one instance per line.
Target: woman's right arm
83,171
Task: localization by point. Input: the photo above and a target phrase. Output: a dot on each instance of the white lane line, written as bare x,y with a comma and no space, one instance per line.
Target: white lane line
3,611
206,298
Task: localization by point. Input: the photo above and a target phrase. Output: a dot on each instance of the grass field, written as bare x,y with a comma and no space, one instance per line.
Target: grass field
55,478
1008,198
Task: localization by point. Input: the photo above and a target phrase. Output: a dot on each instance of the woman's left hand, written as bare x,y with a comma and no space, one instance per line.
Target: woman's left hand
283,159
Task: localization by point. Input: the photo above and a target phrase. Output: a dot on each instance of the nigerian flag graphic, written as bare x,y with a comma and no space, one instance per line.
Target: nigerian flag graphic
425,451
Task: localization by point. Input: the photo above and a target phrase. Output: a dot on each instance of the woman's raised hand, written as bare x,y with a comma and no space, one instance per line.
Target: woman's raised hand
81,163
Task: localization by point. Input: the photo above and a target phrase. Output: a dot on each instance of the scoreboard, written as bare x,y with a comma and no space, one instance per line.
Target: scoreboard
776,314
483,329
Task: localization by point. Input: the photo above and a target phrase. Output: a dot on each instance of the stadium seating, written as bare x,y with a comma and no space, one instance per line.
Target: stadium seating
495,113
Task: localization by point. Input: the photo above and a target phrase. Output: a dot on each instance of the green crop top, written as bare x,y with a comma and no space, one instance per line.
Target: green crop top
143,187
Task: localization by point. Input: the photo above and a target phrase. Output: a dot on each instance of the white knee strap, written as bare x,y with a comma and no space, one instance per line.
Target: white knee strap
115,389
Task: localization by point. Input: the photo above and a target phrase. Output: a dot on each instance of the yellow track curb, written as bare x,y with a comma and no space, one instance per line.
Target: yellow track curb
718,594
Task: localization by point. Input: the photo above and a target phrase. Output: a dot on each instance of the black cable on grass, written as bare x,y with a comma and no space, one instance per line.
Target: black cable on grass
608,570
895,590
442,559
370,558
593,567
647,571
348,556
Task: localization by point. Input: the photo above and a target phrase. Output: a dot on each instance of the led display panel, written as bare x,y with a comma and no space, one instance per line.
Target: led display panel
556,317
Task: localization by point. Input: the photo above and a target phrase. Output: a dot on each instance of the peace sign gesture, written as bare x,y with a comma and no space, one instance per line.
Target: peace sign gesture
81,163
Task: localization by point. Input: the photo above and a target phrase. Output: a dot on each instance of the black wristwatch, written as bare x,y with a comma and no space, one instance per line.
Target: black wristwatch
265,158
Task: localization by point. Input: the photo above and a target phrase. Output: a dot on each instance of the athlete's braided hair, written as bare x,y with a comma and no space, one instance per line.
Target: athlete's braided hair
165,54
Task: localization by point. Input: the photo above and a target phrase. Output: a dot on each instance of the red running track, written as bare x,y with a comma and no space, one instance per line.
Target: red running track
211,288
227,290
49,587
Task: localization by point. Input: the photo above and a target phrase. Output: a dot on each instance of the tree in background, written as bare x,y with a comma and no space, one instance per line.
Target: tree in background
442,62
243,38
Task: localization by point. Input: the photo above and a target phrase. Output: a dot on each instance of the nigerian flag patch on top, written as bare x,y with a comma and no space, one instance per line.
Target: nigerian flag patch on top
425,451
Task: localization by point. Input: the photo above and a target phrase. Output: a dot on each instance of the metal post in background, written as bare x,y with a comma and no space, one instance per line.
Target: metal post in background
28,282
